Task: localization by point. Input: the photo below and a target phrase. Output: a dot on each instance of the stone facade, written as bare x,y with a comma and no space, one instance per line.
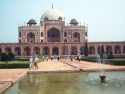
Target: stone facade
53,37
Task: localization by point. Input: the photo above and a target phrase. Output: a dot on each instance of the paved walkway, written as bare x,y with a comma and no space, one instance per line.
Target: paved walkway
10,76
53,66
91,66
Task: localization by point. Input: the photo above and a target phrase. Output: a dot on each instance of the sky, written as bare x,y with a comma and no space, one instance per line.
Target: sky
105,18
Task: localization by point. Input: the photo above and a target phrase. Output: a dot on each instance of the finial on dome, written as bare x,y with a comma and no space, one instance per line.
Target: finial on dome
52,5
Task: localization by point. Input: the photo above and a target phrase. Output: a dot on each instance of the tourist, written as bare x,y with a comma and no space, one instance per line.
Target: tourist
51,58
35,62
58,58
71,58
78,58
30,62
47,58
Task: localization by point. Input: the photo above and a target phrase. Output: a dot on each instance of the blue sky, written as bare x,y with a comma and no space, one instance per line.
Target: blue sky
105,18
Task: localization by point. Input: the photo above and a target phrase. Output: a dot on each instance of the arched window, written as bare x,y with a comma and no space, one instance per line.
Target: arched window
117,49
41,34
76,37
91,50
65,50
31,37
108,49
27,51
19,34
17,51
65,34
0,50
45,51
55,51
82,50
65,40
53,35
99,49
124,49
73,50
36,50
41,41
8,50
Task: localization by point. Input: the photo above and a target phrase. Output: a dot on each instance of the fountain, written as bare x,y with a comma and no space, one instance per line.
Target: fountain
69,83
101,56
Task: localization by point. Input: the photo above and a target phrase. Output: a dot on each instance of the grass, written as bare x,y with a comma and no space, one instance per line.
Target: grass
114,61
91,59
118,62
14,64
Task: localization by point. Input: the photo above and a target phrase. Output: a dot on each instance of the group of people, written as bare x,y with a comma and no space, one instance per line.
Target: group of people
33,62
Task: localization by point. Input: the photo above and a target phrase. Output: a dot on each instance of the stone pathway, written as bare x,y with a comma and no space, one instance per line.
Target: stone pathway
10,76
91,66
53,66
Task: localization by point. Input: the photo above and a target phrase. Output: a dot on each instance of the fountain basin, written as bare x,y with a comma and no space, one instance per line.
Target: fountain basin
69,83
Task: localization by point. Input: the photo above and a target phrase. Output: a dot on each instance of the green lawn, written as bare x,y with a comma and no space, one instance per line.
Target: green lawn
14,64
114,61
118,62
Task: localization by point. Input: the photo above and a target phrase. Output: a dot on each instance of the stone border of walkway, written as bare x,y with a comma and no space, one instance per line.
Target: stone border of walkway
5,84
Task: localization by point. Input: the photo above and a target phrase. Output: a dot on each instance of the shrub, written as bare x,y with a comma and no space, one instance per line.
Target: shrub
3,57
118,62
11,56
7,56
92,59
109,55
13,65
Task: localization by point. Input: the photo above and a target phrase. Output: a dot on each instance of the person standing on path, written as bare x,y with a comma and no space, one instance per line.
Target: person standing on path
35,62
30,62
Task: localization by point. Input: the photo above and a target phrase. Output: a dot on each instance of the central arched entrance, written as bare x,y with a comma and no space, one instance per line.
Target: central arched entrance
53,35
55,51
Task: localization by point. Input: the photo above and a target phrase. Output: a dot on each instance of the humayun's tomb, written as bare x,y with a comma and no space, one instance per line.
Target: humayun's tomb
53,37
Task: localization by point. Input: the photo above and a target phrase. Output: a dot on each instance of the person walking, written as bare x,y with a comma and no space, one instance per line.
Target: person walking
35,62
30,62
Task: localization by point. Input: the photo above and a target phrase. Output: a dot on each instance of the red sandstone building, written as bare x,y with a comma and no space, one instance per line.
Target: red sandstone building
53,37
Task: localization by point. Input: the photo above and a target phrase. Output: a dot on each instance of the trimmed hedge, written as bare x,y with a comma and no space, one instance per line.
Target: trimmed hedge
91,59
109,61
117,62
7,56
13,64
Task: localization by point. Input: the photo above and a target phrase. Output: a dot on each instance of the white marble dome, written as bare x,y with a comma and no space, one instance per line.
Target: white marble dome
52,14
